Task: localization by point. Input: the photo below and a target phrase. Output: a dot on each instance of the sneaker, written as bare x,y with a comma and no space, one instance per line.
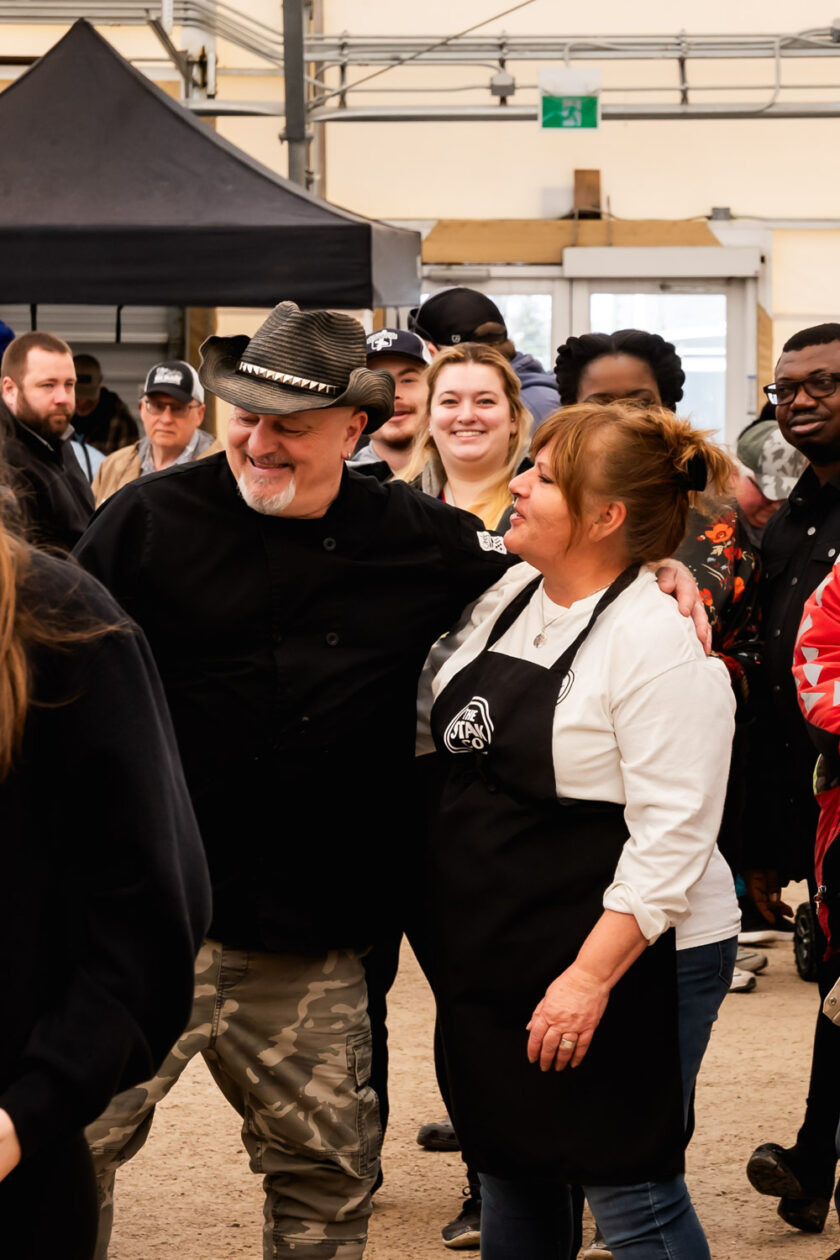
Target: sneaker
438,1135
464,1231
597,1249
742,982
750,959
755,930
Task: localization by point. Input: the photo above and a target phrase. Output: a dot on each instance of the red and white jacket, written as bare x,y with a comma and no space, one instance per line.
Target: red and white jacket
816,669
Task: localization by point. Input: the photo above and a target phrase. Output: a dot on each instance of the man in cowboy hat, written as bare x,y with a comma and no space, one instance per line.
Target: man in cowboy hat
290,604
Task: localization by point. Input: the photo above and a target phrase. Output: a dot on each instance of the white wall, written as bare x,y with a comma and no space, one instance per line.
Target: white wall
768,169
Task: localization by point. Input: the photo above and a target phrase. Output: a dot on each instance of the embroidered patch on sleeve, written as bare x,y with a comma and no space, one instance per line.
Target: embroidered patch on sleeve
490,542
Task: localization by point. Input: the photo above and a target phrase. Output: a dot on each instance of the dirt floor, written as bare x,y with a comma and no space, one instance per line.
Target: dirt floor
189,1195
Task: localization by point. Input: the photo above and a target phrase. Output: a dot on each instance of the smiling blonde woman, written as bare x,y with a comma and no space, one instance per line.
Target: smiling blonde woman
474,433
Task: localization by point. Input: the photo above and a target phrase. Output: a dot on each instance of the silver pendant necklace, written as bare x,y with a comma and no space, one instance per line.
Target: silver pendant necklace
540,637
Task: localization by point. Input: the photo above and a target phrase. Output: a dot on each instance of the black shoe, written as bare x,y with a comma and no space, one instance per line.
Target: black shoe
465,1230
755,930
438,1135
805,1214
771,1169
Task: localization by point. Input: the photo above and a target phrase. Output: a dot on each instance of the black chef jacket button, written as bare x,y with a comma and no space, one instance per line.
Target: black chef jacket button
329,544
798,501
776,687
812,529
776,634
332,638
793,581
832,551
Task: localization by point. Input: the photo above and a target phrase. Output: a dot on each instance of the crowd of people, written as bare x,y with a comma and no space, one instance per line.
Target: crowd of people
587,661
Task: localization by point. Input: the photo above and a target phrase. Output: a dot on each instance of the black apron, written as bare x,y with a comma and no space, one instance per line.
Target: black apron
517,881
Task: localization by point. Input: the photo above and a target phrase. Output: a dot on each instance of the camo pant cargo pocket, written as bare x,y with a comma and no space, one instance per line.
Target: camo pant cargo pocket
368,1122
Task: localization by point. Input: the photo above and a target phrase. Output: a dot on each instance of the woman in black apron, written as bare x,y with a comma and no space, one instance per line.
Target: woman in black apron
520,936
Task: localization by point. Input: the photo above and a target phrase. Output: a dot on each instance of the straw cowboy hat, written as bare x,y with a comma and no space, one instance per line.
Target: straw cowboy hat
298,361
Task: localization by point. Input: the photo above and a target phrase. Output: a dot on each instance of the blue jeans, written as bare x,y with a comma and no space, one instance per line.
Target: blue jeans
652,1220
704,975
533,1220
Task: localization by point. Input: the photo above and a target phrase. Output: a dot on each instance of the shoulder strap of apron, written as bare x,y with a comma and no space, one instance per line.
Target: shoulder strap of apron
564,662
508,615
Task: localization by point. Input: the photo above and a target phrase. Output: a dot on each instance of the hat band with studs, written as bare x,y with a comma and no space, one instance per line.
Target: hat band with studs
285,378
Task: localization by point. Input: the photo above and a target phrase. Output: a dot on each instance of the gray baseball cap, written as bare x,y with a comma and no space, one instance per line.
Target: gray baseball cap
774,463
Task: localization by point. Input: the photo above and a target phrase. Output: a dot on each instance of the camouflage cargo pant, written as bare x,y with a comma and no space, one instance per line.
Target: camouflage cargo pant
287,1040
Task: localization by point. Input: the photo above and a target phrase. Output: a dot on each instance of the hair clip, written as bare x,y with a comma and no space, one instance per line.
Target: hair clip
695,475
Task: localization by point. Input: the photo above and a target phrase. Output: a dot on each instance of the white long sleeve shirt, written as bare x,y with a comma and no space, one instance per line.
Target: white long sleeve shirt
647,723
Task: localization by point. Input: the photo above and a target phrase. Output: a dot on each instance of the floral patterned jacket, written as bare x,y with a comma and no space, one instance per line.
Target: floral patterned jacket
726,568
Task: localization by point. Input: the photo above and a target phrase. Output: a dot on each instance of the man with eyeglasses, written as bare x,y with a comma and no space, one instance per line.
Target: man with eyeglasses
800,545
172,409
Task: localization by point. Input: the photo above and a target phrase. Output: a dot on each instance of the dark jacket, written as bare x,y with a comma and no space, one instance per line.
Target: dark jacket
53,495
109,426
538,387
800,544
105,894
290,652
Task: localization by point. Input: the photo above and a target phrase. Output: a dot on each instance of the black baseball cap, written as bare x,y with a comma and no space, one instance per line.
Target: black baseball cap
455,315
396,341
176,378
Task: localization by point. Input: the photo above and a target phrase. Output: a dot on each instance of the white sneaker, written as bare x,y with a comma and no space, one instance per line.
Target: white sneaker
750,959
742,982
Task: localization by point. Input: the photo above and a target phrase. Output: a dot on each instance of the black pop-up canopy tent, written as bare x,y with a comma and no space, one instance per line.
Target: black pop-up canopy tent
112,193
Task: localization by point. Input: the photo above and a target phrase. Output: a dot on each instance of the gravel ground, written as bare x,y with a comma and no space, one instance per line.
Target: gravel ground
189,1195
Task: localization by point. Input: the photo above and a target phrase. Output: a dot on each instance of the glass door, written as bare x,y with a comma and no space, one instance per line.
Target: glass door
705,321
534,302
712,322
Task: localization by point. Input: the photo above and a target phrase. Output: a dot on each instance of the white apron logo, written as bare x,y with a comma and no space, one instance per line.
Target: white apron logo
565,687
490,542
471,730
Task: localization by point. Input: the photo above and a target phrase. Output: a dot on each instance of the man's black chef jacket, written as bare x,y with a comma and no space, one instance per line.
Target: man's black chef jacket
290,652
53,494
800,544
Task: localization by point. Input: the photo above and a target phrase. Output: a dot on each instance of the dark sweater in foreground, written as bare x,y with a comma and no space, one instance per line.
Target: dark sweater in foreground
105,893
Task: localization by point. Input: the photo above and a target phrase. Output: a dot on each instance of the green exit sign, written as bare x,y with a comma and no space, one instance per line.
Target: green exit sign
571,112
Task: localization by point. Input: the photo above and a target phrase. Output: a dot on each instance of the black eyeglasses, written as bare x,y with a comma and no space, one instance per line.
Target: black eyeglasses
820,385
